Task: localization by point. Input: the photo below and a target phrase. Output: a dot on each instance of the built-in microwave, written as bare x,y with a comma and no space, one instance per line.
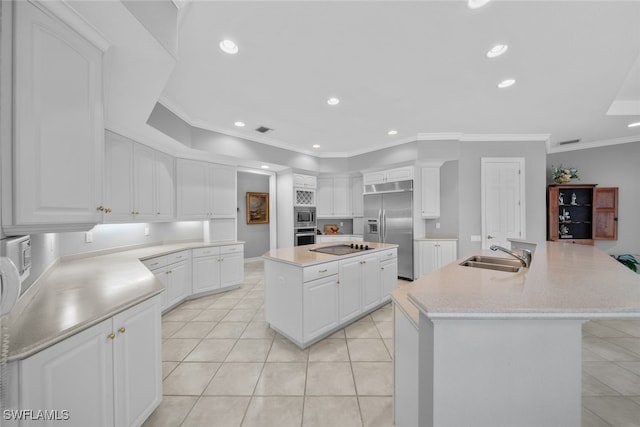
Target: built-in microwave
304,216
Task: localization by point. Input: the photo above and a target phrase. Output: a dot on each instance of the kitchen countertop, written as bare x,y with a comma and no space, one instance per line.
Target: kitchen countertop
564,281
80,291
303,256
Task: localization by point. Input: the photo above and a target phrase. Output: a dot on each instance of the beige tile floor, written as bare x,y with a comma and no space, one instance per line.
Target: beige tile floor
223,366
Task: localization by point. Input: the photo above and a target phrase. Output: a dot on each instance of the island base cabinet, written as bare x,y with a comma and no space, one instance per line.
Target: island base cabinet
107,375
508,372
405,371
320,302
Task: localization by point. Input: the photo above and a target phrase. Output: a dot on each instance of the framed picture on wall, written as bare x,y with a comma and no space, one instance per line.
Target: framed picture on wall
257,208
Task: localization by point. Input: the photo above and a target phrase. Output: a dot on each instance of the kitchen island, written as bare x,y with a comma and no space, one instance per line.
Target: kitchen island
491,348
310,295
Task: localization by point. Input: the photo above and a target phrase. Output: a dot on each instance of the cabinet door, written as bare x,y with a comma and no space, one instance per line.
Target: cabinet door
137,365
75,375
231,269
162,274
223,195
605,213
144,183
350,288
448,253
341,197
118,183
428,257
553,213
324,197
164,189
371,291
320,306
431,192
357,202
206,274
388,277
399,174
179,282
374,177
59,131
192,189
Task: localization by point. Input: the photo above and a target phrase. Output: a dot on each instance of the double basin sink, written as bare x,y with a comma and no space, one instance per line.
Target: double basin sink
493,263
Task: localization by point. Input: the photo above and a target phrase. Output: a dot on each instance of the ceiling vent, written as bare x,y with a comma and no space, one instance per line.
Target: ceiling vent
263,129
571,141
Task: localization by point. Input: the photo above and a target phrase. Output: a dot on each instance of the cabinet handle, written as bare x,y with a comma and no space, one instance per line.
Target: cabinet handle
154,263
389,254
107,210
122,330
322,271
111,336
381,268
100,208
178,257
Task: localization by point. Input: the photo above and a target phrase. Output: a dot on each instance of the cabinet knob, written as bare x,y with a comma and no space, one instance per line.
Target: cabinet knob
489,236
107,210
111,336
100,208
122,330
322,271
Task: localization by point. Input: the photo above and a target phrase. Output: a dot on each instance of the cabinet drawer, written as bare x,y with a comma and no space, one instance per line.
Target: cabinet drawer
178,256
157,262
230,249
208,251
319,271
388,254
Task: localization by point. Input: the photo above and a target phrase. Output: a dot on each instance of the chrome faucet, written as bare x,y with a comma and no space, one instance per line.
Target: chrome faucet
525,259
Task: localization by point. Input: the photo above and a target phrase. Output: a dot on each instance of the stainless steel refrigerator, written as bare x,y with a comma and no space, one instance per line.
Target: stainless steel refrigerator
388,218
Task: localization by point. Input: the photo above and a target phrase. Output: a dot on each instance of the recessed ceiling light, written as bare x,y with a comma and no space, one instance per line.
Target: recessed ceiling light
506,83
316,145
392,132
497,50
632,125
265,166
333,101
476,4
229,46
239,124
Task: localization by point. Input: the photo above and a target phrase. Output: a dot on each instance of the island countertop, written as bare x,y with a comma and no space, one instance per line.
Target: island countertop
564,281
304,256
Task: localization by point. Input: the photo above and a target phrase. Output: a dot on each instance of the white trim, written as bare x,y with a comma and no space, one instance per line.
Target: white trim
523,208
592,144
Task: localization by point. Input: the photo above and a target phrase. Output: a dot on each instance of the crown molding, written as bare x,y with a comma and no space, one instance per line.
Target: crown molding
593,144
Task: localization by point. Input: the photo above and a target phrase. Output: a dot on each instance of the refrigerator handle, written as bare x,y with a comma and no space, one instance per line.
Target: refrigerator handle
384,228
380,225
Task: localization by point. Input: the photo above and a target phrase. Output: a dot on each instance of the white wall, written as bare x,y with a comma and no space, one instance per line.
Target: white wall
613,166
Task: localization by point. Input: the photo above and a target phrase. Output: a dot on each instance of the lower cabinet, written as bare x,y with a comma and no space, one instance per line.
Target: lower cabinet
174,271
433,254
107,375
320,306
389,276
217,268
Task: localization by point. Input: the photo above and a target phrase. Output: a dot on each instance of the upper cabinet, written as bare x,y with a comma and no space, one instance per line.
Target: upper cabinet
582,213
430,191
333,197
58,134
304,181
357,201
392,175
139,182
205,190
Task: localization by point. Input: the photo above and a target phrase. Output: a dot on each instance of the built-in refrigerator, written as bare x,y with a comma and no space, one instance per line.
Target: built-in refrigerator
388,218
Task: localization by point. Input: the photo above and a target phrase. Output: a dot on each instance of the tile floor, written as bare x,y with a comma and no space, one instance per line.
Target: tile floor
223,366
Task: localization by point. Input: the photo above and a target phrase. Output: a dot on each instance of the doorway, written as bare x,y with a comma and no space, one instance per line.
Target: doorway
503,197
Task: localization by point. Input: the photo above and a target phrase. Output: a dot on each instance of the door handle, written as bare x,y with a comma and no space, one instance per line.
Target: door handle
489,236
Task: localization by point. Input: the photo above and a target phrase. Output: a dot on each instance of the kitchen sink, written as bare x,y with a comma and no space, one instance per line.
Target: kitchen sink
493,263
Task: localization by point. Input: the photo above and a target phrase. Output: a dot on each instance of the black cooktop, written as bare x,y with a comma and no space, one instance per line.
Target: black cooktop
342,249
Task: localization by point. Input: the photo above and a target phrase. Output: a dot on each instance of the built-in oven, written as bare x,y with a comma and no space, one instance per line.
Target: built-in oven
305,236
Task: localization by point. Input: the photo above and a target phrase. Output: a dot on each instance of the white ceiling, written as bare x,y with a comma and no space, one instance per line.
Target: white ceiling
418,67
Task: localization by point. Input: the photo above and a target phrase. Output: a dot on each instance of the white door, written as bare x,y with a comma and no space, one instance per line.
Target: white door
144,183
502,187
118,182
231,269
206,274
224,197
350,280
165,193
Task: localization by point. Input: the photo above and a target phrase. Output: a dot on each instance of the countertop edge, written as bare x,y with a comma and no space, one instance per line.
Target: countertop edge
324,261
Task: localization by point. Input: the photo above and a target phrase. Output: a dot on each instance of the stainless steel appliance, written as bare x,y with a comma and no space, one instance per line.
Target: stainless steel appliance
304,236
304,216
388,218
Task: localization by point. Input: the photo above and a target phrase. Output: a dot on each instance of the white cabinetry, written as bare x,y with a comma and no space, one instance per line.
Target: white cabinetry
406,401
174,271
430,192
390,175
217,268
304,181
433,254
320,306
58,140
350,289
333,197
388,273
138,182
205,190
357,201
107,375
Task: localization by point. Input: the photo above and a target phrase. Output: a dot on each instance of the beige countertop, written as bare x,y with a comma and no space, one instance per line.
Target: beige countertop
303,255
80,291
564,281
